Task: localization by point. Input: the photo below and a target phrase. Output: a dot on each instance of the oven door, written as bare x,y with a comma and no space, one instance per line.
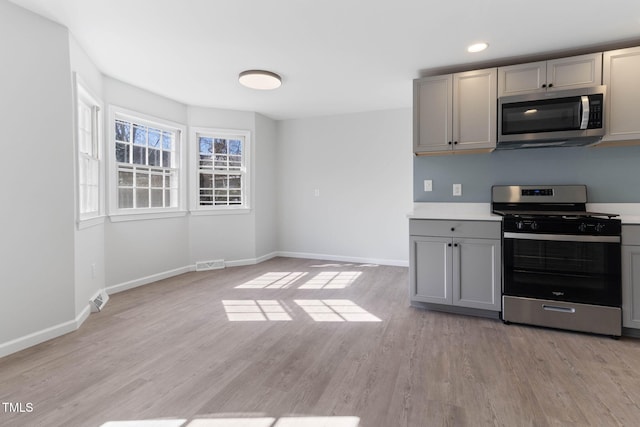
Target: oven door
584,269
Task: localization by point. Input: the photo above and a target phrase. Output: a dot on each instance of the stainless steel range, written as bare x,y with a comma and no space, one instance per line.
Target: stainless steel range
561,263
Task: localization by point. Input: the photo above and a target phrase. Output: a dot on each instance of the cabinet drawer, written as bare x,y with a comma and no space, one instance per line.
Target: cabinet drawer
461,228
631,235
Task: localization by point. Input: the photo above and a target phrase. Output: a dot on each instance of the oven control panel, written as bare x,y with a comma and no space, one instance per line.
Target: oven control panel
551,225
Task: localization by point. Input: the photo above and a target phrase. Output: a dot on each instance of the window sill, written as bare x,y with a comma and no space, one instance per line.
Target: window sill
139,216
90,222
220,211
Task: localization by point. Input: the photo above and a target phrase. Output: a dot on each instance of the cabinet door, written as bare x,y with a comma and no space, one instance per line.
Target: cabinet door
432,114
431,269
621,71
574,72
522,78
474,109
476,274
631,286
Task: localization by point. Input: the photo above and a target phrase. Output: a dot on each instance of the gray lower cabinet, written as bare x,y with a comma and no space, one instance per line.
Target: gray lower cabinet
456,263
631,276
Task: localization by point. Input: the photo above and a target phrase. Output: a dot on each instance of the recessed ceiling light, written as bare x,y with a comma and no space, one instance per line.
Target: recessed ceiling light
477,47
260,79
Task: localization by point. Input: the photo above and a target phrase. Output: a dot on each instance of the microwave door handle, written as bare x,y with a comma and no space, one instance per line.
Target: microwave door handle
585,112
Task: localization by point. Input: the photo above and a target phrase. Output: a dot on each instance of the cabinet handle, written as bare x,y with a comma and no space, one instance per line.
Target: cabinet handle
455,245
449,142
449,245
455,142
453,229
544,85
550,84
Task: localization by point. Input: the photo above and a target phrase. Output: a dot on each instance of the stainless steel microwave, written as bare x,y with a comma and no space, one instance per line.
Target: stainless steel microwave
563,118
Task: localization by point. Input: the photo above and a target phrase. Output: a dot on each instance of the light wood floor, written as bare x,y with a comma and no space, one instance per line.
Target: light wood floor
168,350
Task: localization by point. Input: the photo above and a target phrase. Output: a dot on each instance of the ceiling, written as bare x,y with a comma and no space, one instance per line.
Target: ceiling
334,56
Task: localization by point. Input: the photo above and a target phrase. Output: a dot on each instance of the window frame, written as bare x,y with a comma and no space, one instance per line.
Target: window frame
246,171
82,94
127,214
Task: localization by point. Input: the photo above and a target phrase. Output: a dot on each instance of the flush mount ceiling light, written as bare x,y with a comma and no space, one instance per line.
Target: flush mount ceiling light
477,47
260,79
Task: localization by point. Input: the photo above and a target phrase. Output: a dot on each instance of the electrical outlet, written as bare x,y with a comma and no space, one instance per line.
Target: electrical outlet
428,185
457,189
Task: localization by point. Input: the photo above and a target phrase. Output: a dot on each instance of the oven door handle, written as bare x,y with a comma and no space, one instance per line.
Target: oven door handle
562,237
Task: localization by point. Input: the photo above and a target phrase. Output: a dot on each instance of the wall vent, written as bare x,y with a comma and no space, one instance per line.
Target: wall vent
210,265
99,301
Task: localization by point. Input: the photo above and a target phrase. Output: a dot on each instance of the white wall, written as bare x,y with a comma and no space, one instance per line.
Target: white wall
265,188
361,166
37,215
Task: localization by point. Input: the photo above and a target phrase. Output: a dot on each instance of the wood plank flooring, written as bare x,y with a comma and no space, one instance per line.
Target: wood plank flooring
334,343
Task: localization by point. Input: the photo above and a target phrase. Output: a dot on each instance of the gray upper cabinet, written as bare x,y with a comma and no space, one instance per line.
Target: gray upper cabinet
455,112
620,73
556,74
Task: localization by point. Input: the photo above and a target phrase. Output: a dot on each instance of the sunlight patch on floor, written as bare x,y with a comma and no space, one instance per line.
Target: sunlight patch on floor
273,280
255,310
336,310
331,280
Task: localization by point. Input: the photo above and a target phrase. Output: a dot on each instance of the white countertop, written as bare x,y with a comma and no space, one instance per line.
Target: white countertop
629,212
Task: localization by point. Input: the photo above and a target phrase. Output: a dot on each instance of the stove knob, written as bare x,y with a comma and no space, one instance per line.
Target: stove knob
599,227
582,227
534,225
520,225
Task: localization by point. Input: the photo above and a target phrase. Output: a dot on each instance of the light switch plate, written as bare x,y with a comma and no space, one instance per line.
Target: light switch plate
428,185
457,189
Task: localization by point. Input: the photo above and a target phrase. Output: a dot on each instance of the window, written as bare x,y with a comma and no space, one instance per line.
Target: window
222,169
89,147
147,170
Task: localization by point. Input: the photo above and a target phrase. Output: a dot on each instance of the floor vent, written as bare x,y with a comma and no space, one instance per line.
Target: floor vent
98,302
210,265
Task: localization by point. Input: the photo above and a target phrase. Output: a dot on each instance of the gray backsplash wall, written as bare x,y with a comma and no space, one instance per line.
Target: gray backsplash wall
611,174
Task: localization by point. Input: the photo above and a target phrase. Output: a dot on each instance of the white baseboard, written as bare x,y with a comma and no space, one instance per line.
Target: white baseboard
39,337
340,258
251,261
114,289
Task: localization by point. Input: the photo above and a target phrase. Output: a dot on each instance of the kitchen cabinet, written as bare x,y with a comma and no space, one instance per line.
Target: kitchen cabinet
456,263
455,112
620,73
631,276
556,74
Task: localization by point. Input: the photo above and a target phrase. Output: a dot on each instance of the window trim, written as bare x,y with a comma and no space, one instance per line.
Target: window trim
117,215
195,208
82,90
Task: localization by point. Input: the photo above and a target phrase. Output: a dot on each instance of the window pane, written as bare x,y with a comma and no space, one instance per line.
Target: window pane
166,159
206,145
154,157
167,139
235,181
156,181
139,155
122,152
156,198
235,147
154,138
142,198
221,181
221,146
206,180
139,135
123,131
142,179
125,178
125,198
167,198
